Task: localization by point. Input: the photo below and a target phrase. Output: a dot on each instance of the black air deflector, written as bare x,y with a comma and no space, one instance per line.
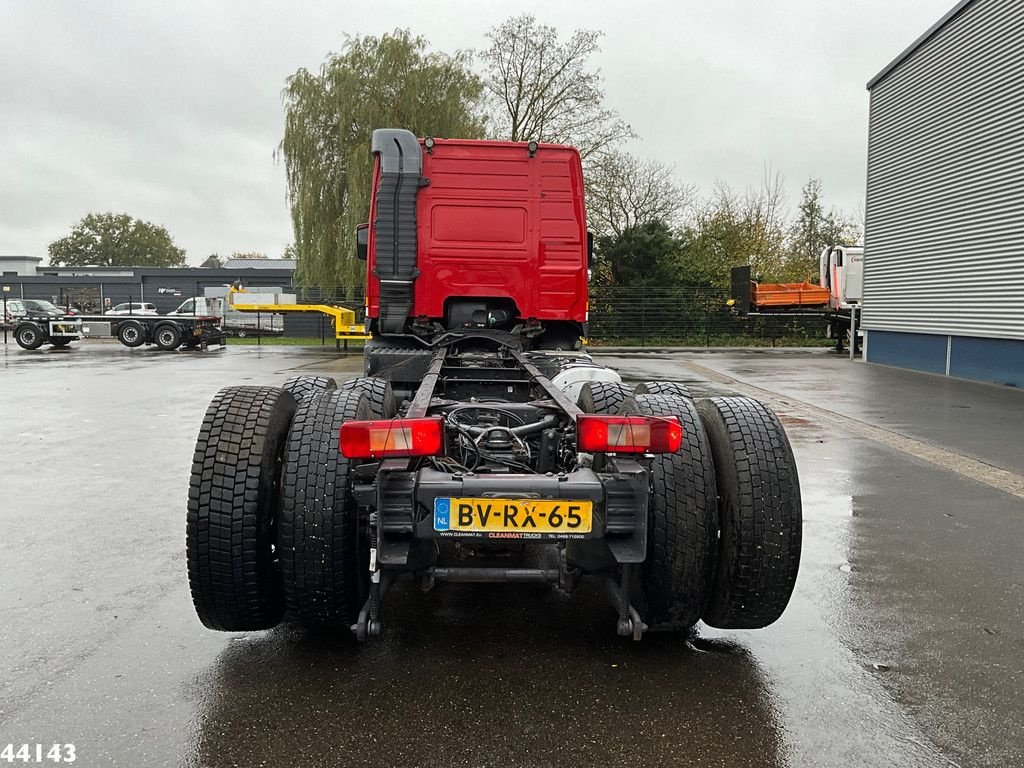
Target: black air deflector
401,168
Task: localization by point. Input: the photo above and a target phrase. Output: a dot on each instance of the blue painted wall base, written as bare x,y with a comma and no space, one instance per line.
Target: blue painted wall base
998,361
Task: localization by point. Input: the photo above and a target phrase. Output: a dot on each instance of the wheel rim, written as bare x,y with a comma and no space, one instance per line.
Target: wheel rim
166,338
28,336
131,335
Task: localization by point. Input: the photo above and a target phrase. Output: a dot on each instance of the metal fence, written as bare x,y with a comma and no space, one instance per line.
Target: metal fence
666,316
618,316
697,317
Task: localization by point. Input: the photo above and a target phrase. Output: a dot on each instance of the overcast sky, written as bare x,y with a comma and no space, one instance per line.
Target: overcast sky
171,111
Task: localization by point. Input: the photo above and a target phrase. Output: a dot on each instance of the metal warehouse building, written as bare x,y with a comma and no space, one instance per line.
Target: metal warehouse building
944,229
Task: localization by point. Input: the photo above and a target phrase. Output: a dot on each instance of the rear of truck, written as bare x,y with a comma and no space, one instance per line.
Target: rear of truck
476,234
481,446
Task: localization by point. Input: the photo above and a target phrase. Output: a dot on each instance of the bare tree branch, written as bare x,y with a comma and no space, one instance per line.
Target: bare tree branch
542,88
624,191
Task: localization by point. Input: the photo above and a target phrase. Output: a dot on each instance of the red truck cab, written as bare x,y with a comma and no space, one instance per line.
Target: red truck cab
476,234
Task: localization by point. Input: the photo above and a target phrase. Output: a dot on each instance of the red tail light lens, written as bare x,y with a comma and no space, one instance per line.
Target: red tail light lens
628,434
392,437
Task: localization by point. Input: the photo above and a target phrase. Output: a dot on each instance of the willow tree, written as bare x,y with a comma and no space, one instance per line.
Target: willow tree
392,81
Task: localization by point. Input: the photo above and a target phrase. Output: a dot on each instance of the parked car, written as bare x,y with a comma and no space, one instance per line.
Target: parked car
38,308
133,308
43,307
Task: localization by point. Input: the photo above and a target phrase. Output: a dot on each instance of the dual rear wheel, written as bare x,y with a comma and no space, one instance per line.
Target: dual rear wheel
273,530
377,391
724,514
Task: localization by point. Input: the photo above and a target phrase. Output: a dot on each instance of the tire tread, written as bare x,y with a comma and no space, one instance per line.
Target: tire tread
603,396
303,386
316,535
682,521
760,513
377,391
663,388
231,495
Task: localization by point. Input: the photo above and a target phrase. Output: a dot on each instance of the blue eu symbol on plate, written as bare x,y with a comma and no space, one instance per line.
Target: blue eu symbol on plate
442,514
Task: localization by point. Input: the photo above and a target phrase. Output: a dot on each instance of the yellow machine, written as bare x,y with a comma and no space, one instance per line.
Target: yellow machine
345,326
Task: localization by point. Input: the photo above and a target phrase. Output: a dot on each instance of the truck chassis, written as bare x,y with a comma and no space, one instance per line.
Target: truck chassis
282,525
167,333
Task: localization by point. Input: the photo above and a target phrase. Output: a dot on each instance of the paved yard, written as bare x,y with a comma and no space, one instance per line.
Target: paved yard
903,646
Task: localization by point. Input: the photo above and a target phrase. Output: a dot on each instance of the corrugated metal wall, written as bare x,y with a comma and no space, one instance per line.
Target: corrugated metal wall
944,231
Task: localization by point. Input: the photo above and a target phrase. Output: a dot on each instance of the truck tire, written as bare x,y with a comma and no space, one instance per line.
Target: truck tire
760,514
322,542
131,334
603,396
682,532
167,336
663,388
29,336
302,387
377,391
233,498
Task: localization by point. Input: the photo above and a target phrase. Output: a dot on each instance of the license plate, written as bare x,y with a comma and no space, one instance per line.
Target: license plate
519,518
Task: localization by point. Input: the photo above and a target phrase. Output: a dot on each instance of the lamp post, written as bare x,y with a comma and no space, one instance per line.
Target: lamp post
7,289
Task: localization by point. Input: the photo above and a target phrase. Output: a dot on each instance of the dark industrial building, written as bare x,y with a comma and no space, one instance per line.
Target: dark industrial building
95,289
944,230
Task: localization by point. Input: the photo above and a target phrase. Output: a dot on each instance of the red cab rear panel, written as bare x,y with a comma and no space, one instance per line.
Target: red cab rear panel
493,221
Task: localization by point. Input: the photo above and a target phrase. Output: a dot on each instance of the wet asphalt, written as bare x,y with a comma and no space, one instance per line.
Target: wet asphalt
903,644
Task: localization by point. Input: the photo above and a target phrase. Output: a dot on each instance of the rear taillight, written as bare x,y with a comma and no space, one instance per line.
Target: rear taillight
384,438
628,434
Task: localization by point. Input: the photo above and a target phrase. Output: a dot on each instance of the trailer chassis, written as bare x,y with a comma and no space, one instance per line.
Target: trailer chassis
166,332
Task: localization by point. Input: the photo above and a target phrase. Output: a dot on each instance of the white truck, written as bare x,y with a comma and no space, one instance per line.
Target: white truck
836,299
215,303
841,270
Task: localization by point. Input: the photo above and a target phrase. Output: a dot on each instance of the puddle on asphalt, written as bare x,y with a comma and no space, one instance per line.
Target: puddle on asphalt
832,702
